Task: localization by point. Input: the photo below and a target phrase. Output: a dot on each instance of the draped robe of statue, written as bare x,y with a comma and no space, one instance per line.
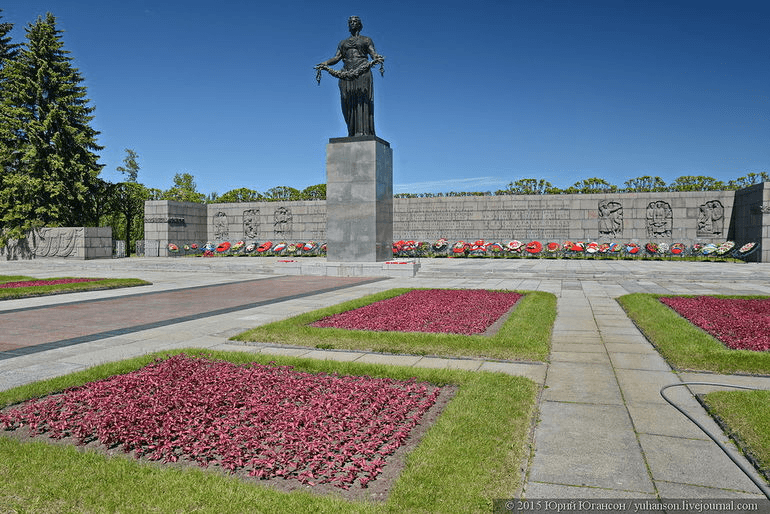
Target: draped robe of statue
357,94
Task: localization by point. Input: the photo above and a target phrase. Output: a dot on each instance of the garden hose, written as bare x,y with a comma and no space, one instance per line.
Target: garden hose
757,481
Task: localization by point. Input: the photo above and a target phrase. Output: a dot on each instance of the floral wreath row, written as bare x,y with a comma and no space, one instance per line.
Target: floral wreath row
255,248
443,247
482,247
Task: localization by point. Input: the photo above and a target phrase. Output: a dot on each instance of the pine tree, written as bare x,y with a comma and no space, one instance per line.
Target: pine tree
50,171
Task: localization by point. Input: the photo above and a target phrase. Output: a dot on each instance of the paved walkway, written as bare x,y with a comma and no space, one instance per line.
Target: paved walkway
603,429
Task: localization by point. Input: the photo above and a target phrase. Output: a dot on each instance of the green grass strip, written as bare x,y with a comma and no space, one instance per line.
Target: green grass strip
685,346
470,456
526,335
746,418
26,292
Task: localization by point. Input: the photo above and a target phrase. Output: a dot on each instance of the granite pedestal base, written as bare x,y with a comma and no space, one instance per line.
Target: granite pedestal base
359,199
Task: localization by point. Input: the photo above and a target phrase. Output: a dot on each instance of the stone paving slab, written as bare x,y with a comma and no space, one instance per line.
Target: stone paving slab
692,462
582,382
588,445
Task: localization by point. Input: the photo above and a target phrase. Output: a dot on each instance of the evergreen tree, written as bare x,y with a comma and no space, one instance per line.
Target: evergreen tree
50,171
8,50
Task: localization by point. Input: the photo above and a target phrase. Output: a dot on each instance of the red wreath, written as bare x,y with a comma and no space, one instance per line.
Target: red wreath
553,247
265,246
534,247
460,247
223,247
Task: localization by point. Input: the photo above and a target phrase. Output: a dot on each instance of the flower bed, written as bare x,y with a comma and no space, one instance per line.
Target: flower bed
270,420
455,311
35,283
741,324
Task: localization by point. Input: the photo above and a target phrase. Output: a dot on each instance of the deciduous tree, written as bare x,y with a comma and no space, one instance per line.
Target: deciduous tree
645,184
242,194
528,186
696,183
184,190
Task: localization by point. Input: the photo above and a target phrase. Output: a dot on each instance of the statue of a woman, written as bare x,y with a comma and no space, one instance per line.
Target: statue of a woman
355,79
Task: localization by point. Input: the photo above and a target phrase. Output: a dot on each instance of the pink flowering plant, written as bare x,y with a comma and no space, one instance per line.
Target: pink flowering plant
270,421
19,286
723,334
741,324
448,322
51,282
458,311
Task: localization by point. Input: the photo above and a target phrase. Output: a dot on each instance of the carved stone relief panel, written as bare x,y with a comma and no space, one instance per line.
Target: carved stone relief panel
282,222
251,223
659,219
50,242
610,218
711,219
221,228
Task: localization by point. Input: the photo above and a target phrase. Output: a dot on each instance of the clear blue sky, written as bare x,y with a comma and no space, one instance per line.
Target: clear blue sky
475,94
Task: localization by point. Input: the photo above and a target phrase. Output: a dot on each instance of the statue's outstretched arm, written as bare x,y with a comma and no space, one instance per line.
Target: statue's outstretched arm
331,62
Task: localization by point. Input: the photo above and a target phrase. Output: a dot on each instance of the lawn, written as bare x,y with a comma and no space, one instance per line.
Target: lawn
525,335
471,455
48,286
745,416
684,345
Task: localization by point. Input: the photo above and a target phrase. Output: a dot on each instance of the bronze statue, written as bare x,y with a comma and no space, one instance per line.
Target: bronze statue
356,84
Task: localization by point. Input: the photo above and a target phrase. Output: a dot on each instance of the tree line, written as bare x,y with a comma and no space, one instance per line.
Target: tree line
49,174
645,184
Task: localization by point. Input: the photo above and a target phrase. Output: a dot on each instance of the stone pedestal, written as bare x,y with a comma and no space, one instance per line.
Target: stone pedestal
359,199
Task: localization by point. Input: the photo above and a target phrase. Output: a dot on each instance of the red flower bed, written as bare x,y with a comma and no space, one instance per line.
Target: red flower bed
270,420
32,283
456,311
740,324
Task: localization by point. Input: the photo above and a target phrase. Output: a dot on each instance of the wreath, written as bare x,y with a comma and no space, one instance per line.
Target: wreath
616,247
479,246
440,245
578,247
310,245
460,247
344,74
552,247
678,248
592,247
279,247
604,247
495,247
696,248
662,248
173,248
652,248
251,247
725,247
514,246
746,250
237,246
223,247
534,247
632,248
709,249
265,246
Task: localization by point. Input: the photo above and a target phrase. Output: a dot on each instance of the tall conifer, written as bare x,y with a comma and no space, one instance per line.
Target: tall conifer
50,170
